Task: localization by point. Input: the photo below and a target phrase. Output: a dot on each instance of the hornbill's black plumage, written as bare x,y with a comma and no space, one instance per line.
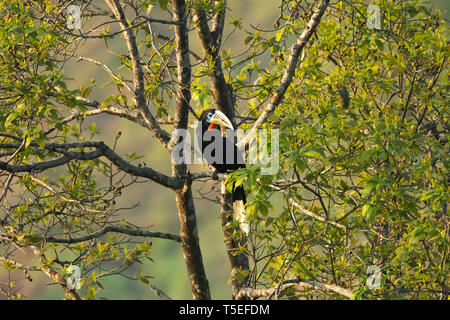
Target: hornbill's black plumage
213,119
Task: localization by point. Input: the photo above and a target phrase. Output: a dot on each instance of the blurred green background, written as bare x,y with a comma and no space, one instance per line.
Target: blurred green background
157,208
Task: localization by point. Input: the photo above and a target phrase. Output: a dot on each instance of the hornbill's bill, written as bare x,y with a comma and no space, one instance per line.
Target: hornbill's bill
224,155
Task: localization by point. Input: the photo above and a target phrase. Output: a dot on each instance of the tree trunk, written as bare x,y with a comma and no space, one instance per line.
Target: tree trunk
238,261
191,246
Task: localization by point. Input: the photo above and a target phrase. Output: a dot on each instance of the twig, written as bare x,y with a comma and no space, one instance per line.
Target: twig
6,187
159,293
106,68
306,211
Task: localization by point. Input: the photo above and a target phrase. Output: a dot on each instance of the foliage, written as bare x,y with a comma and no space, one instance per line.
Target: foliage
379,166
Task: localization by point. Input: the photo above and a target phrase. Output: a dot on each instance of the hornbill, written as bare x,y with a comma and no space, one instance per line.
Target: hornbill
220,151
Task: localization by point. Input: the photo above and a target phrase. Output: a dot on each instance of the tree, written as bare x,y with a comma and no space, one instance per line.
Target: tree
360,102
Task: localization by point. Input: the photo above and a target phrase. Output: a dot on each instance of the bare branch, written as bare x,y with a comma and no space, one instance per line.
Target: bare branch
113,34
220,88
122,113
138,75
306,211
301,284
106,68
296,49
183,65
130,232
207,174
101,150
159,293
218,24
6,187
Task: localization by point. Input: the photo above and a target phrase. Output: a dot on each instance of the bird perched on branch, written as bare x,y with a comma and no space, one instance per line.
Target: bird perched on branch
219,150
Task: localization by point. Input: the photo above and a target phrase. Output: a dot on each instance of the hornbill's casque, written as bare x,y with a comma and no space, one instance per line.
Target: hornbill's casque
213,119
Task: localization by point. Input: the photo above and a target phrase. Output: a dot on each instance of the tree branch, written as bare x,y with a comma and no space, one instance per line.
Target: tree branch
218,24
61,281
220,88
308,212
191,246
183,67
239,261
106,68
159,293
138,75
113,34
130,232
207,174
115,111
101,150
300,283
6,187
296,49
185,203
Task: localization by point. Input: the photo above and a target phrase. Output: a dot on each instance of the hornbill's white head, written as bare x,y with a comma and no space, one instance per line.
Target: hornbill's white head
212,119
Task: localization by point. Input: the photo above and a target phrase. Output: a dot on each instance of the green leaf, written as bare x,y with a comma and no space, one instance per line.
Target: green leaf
12,116
313,154
85,91
40,139
163,4
379,44
92,126
368,212
416,235
300,163
28,141
428,195
366,155
279,34
268,221
248,39
402,253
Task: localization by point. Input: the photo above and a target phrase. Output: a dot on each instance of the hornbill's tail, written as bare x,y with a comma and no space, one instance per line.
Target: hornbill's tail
239,202
239,194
